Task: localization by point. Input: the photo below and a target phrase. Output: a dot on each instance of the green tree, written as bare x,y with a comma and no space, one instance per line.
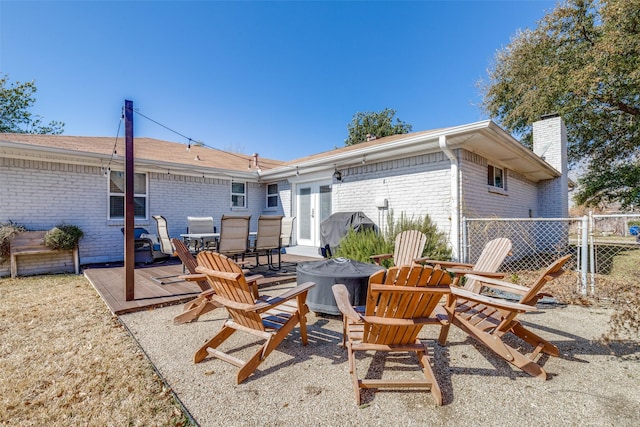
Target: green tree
15,101
582,62
379,124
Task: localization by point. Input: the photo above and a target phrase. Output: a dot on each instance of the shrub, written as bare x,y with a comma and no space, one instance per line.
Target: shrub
63,236
360,246
7,232
437,246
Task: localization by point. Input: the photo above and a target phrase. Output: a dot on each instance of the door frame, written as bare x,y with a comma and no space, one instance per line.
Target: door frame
315,208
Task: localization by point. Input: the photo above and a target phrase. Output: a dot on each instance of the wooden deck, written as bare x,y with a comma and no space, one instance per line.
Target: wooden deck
150,293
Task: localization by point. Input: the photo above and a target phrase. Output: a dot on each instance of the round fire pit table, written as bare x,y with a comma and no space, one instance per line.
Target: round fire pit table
326,273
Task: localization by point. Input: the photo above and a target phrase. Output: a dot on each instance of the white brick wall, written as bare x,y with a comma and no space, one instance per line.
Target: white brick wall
550,143
477,201
417,186
40,195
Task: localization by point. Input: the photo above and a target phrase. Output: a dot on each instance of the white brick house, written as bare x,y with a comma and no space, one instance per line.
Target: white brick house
445,173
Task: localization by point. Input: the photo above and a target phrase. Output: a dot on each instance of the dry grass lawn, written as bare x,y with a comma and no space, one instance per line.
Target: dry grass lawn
65,360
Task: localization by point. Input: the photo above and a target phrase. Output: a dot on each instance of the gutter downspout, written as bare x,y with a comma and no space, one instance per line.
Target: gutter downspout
455,199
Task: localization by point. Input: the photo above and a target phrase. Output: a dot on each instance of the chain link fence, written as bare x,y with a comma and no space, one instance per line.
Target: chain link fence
596,243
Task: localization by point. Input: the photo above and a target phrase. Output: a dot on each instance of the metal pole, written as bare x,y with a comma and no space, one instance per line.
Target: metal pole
584,261
129,223
465,241
592,256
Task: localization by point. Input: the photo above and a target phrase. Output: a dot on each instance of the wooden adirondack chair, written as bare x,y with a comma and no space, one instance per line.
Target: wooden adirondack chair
399,302
268,318
408,246
493,254
202,303
489,319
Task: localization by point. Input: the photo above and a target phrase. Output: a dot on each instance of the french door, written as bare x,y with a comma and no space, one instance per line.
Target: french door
313,207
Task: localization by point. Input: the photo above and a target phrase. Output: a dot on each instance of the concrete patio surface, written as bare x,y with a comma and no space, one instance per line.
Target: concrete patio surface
590,384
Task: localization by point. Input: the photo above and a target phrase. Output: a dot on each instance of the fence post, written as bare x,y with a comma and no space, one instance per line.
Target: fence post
584,254
592,254
465,242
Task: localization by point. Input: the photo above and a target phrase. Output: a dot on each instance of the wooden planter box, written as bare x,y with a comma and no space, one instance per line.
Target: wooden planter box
36,258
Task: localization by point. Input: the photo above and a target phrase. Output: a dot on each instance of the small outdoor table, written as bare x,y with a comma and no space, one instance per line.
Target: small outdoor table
353,274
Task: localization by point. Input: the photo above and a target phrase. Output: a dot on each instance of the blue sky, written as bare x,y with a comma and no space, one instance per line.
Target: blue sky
282,79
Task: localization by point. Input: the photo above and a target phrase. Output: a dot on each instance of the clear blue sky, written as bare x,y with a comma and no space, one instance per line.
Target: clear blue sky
282,79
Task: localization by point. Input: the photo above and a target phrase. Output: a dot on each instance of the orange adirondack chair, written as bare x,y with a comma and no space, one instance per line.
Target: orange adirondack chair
268,318
400,301
203,303
489,319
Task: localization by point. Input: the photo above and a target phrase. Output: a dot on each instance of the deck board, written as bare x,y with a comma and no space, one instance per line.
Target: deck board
150,293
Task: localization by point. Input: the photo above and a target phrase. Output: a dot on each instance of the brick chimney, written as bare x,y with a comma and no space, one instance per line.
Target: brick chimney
550,144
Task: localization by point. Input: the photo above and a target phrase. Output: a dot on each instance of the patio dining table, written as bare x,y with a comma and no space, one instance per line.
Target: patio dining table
201,237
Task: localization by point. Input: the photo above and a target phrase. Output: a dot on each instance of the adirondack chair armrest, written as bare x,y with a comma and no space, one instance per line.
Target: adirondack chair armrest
219,274
193,277
341,295
275,301
378,258
465,271
493,302
253,278
446,264
499,284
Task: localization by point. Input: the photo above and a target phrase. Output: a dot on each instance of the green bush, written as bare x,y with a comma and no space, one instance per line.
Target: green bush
437,246
7,232
360,246
63,236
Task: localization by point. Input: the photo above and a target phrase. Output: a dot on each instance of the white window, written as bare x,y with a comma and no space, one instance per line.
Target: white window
272,195
495,177
238,195
116,195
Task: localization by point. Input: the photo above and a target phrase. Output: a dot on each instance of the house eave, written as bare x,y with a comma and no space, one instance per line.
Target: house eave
483,137
30,152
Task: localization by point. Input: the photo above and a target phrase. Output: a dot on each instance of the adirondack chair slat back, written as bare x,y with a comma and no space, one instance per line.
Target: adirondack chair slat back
234,290
553,271
406,292
189,261
408,246
490,259
493,254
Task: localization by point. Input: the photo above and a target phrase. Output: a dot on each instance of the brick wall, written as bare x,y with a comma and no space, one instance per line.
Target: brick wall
550,143
41,194
478,200
417,186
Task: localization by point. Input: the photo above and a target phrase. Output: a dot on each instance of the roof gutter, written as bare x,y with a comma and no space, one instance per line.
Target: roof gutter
455,197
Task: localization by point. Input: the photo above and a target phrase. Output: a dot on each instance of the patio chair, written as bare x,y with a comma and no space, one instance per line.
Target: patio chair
234,235
408,246
147,246
201,225
489,319
268,239
400,301
286,231
203,303
491,258
165,247
269,318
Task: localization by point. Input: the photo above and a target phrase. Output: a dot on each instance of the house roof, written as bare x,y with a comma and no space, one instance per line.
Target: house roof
149,153
484,138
